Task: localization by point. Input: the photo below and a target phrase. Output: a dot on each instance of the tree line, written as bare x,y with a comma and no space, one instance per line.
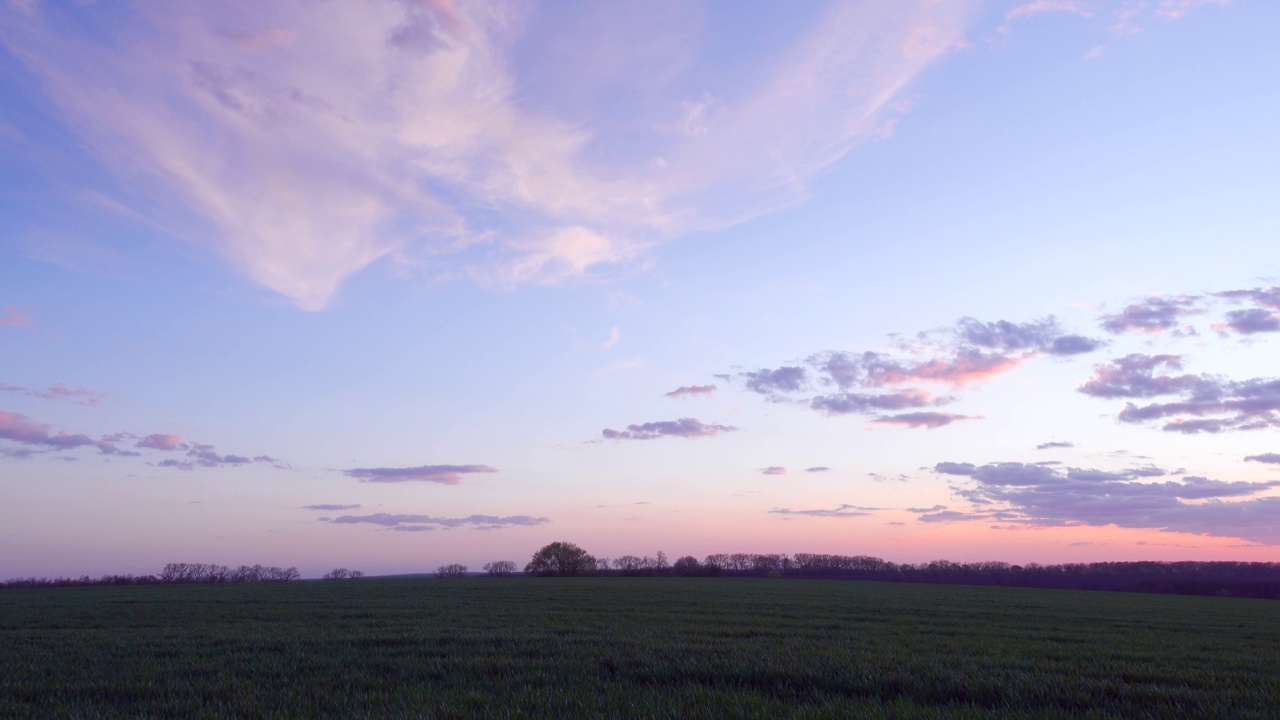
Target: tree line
565,559
171,574
1221,578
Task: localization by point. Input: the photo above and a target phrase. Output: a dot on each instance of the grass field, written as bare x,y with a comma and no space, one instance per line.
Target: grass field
647,647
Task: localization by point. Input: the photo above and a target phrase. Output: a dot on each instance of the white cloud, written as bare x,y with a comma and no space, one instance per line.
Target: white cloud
304,145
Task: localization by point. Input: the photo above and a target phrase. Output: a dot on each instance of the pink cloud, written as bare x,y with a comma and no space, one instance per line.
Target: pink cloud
80,396
18,428
774,470
263,40
965,368
339,131
1174,9
161,441
14,316
1038,7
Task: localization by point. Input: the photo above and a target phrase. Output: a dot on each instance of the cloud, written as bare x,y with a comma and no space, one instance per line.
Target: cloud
160,441
1038,495
16,317
933,509
774,470
443,474
845,403
1133,376
1155,315
614,336
425,142
18,428
1039,7
1273,458
773,382
685,391
1044,335
1206,404
80,395
1174,9
1055,444
928,420
331,507
1262,297
969,352
841,511
684,427
1248,322
416,523
817,469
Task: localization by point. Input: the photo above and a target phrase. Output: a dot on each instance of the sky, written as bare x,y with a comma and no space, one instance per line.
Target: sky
389,284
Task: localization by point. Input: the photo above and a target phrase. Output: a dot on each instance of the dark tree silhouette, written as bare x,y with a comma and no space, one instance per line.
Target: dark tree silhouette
561,559
500,568
686,566
452,570
342,574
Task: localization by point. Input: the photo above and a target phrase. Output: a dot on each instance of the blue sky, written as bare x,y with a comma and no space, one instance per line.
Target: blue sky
448,265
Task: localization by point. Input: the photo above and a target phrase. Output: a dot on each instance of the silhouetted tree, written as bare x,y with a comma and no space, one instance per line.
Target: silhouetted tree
452,570
562,559
686,566
500,568
342,574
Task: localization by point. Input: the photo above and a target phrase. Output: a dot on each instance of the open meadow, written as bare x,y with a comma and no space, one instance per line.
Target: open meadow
644,647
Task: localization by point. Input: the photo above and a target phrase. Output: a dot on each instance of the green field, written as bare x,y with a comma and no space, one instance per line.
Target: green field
645,647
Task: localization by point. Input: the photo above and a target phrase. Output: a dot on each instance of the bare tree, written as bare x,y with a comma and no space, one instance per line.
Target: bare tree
452,570
342,574
500,568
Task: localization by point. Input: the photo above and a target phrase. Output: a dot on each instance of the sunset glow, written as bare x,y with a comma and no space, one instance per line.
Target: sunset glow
387,284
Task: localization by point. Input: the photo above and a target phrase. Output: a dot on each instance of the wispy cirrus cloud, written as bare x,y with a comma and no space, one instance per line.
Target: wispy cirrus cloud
425,126
59,391
414,523
1174,9
817,469
1054,445
16,317
1021,493
684,427
443,474
331,507
773,470
1040,7
687,391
